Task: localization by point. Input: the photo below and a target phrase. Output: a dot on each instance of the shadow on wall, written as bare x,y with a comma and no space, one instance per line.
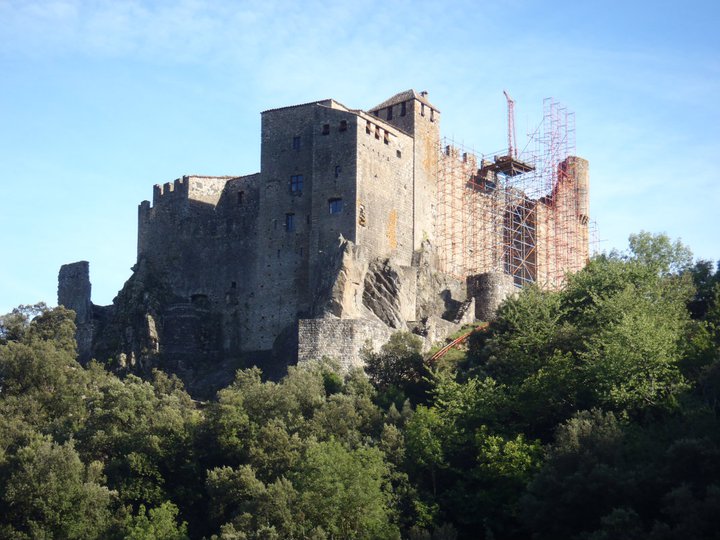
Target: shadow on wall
451,305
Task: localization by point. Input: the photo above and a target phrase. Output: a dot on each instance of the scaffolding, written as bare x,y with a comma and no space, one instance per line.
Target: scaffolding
523,214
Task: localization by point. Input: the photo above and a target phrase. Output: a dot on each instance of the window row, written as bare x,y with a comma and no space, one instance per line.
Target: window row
297,139
335,206
403,111
297,181
378,131
342,127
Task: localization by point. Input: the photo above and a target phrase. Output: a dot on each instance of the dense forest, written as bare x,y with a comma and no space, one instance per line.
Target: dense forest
586,413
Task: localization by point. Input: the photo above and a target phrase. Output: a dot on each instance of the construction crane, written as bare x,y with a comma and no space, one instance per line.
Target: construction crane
512,148
508,165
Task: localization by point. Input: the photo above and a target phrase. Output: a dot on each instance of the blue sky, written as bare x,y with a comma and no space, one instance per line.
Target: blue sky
99,100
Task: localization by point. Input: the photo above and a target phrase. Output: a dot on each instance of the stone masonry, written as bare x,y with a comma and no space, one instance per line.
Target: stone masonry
329,248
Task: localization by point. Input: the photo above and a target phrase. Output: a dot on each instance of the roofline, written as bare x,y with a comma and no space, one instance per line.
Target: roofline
317,102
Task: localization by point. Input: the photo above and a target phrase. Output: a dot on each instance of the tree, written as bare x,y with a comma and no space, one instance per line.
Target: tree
50,493
159,523
13,325
398,370
660,253
352,486
582,479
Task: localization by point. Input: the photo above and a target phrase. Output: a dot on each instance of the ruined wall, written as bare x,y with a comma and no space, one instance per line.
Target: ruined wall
74,292
562,224
471,216
489,290
340,339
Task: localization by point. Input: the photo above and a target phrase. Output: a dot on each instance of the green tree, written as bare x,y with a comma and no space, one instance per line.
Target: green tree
398,370
50,493
352,486
159,523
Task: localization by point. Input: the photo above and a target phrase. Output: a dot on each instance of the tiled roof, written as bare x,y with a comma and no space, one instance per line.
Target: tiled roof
318,102
404,96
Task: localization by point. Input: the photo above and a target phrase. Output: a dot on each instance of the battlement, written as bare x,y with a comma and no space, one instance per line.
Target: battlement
469,159
206,189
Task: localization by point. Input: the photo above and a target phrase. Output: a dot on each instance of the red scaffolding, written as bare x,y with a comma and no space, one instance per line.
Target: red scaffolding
522,214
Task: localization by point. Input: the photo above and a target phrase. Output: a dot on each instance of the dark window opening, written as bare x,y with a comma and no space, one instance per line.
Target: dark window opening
233,284
386,137
377,132
367,127
398,153
326,129
422,109
296,183
338,170
390,112
335,206
343,125
200,300
296,143
432,115
402,109
240,197
289,222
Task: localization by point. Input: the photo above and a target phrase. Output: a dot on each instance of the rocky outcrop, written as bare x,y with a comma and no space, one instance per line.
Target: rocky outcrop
381,293
339,291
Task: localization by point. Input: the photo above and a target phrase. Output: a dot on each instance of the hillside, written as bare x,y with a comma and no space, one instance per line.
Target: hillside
590,413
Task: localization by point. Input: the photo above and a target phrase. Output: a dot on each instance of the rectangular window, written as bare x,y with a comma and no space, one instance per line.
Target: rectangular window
240,197
402,109
422,109
368,127
390,112
386,137
377,132
326,129
296,143
432,115
289,222
296,183
335,205
343,125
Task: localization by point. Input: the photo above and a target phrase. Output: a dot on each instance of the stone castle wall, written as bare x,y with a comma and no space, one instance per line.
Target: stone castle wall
200,237
562,224
339,339
335,243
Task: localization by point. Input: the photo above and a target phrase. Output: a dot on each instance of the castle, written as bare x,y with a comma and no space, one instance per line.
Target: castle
359,224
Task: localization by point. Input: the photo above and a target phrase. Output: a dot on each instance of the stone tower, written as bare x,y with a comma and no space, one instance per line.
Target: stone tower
74,291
